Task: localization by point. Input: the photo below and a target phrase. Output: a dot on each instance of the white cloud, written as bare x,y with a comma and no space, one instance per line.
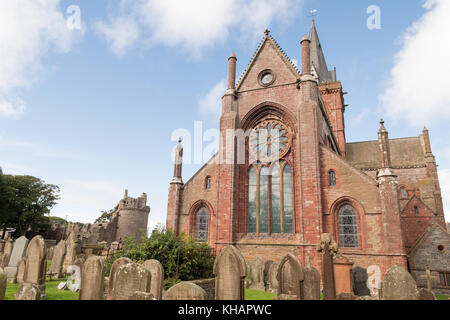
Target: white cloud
211,103
444,179
28,30
10,108
417,88
194,24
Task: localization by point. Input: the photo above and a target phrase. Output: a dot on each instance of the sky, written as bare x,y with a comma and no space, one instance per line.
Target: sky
94,94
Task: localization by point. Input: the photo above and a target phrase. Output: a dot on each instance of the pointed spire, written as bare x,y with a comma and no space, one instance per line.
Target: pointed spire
426,138
382,128
318,58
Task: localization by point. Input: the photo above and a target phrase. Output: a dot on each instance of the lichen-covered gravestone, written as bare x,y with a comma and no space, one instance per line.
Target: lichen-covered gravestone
157,270
33,286
272,278
113,273
185,291
19,249
21,270
398,284
230,271
257,274
131,278
59,252
359,280
71,250
290,277
267,265
311,284
3,278
92,279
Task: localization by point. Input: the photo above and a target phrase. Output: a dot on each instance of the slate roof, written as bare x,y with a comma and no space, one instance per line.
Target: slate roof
405,153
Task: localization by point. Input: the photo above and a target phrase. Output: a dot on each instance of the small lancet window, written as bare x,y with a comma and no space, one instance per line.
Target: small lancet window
403,192
416,210
332,178
202,225
208,183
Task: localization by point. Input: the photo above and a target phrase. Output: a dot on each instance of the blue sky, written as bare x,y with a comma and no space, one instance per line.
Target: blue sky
94,110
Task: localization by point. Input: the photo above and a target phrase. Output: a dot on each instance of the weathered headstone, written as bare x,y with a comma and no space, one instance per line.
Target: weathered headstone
311,284
4,260
359,281
156,269
230,271
290,276
374,280
92,279
328,247
20,247
267,265
185,291
342,279
33,285
130,278
113,273
8,246
257,274
2,246
398,284
3,279
21,270
59,252
272,278
71,250
74,280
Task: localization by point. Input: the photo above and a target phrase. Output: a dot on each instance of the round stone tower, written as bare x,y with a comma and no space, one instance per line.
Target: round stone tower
132,217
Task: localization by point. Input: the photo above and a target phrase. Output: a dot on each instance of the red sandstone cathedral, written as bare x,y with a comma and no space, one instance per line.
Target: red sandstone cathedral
297,176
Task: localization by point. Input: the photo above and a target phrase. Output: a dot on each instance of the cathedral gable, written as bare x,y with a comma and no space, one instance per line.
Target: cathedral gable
269,67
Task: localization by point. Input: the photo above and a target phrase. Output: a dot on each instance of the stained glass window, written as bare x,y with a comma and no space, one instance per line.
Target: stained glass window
251,210
263,200
348,227
288,220
332,178
202,225
275,207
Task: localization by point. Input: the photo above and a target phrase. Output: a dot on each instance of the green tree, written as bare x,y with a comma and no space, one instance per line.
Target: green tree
6,216
29,203
105,217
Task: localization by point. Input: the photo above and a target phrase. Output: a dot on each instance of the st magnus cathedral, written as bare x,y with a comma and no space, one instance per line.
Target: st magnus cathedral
298,177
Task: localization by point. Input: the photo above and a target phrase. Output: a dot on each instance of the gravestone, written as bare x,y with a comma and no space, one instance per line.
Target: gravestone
20,247
257,274
79,261
311,284
3,278
21,270
74,280
185,291
156,269
328,247
374,280
4,260
131,278
113,273
424,294
71,250
267,265
33,286
230,271
398,284
359,281
2,246
272,278
8,246
290,277
92,279
342,278
59,252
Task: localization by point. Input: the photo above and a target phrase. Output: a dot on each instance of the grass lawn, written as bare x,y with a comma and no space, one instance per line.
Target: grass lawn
50,288
251,294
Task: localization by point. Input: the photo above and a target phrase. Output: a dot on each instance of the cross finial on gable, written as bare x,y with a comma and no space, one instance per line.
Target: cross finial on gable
267,32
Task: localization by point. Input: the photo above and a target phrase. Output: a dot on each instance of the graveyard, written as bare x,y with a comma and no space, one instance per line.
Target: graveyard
35,272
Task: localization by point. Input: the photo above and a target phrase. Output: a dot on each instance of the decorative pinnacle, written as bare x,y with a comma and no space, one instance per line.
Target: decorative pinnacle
267,32
305,38
232,55
180,140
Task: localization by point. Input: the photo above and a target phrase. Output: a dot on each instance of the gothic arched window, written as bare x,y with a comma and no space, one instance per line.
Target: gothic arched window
202,225
348,227
332,178
270,199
